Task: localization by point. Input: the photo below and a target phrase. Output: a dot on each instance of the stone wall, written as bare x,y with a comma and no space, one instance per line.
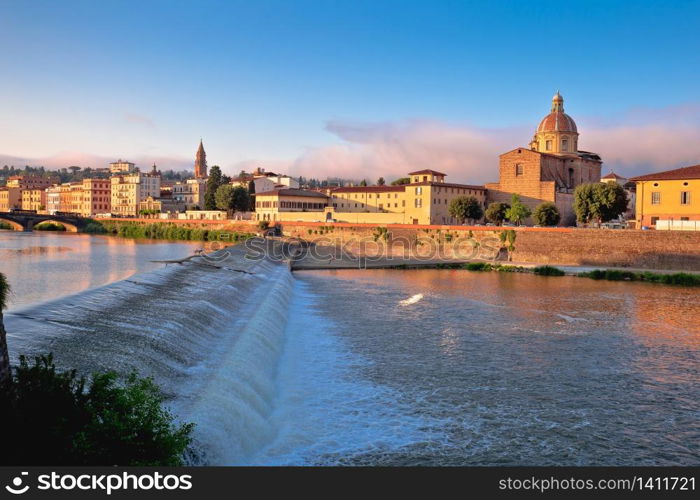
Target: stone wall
672,250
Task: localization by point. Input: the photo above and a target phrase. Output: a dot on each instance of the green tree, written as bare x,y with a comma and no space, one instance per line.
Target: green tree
251,197
496,212
59,418
213,184
465,207
232,199
518,211
599,201
546,214
381,181
401,181
363,183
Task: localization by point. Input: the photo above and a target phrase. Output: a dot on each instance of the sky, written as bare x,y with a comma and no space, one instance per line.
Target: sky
352,88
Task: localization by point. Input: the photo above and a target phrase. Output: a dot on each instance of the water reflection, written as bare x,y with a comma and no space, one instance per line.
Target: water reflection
43,266
527,369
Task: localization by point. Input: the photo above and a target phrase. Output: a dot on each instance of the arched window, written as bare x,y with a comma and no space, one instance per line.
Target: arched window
565,144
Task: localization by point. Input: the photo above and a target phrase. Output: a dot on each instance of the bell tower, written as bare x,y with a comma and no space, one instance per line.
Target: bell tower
200,163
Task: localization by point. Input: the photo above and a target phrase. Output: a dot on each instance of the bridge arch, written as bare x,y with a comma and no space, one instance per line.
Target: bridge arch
71,228
16,226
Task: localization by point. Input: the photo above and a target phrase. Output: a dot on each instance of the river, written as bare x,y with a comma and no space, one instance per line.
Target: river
395,367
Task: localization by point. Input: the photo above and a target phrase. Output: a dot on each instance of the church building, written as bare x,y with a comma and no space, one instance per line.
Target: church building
550,168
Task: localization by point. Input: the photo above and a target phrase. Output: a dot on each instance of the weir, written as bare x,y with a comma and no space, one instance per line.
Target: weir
210,338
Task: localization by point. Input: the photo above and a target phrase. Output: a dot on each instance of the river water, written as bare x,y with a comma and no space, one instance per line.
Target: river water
430,367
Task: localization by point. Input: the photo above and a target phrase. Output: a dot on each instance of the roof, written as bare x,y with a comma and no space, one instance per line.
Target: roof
613,175
369,189
292,192
557,121
426,171
586,155
446,184
692,172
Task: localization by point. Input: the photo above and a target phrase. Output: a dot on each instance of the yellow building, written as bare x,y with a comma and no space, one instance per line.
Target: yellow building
425,200
190,193
130,190
34,199
673,195
10,197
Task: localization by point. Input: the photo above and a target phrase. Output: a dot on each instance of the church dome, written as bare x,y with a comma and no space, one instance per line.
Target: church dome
557,120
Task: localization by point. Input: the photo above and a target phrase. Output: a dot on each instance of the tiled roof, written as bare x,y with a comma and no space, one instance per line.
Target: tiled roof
692,172
447,184
426,171
557,121
613,175
369,189
292,192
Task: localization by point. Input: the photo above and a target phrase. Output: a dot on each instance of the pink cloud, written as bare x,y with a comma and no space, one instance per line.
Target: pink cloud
640,141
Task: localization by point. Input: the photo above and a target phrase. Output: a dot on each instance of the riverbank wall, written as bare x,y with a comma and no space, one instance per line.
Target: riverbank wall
664,250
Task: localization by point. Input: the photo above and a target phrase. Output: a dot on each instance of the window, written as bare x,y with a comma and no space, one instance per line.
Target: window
419,190
418,203
548,145
655,197
565,144
685,197
518,169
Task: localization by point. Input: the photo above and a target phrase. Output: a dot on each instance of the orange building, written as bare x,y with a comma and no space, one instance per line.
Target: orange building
96,197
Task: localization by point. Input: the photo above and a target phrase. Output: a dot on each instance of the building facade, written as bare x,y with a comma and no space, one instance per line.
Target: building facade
31,181
121,167
34,199
672,195
127,191
425,200
10,198
96,197
550,169
190,193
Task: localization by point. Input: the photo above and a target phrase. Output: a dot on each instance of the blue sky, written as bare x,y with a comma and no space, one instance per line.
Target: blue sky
353,87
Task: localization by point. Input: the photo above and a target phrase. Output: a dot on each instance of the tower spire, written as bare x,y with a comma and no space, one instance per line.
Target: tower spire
200,162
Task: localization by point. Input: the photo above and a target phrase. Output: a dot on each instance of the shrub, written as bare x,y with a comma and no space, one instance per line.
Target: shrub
546,214
548,271
477,266
58,418
5,225
263,224
4,290
682,279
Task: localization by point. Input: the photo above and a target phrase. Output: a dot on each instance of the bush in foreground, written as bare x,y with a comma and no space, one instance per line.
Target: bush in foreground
57,418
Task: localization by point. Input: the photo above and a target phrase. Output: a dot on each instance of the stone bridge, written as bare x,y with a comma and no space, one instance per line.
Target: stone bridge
24,220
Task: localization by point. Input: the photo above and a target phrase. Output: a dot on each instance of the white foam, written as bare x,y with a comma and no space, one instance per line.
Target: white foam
411,300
